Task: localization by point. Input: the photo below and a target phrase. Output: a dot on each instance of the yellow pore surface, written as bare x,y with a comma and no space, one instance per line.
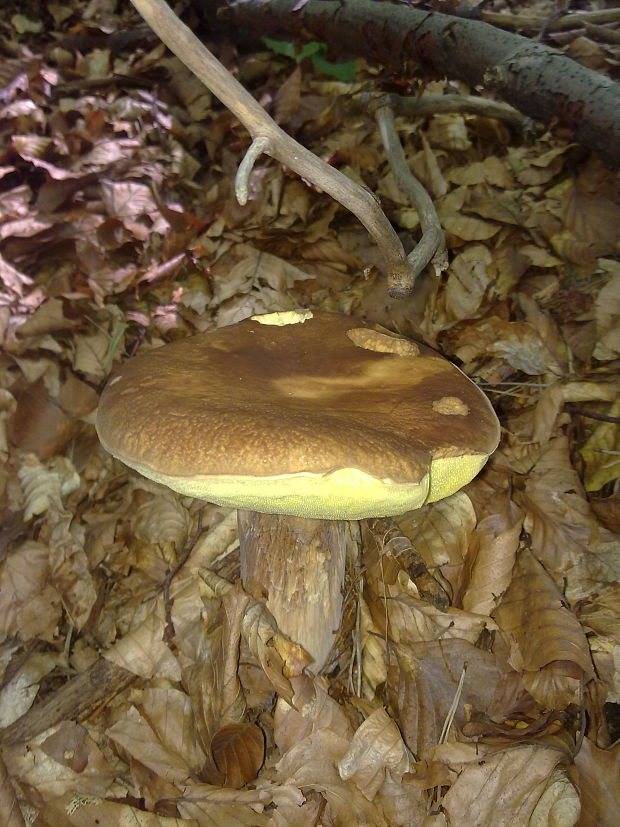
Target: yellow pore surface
343,494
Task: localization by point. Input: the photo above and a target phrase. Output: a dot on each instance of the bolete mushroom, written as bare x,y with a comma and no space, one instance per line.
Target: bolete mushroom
301,420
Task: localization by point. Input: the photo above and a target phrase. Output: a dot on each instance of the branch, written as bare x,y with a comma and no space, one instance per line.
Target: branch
432,245
76,700
532,24
275,142
468,104
542,83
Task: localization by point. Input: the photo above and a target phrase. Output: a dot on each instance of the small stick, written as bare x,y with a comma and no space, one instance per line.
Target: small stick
468,104
615,420
257,148
77,700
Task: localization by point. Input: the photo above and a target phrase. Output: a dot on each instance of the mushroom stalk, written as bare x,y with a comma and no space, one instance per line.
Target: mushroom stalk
296,566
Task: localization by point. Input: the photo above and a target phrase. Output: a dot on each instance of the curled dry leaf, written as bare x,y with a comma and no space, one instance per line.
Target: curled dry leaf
547,643
65,760
376,750
142,650
70,573
39,425
559,804
312,763
566,537
497,790
162,519
492,555
599,775
79,810
30,607
238,751
44,485
220,539
373,644
602,452
279,657
141,740
469,278
423,681
407,619
94,353
169,713
441,531
21,688
388,550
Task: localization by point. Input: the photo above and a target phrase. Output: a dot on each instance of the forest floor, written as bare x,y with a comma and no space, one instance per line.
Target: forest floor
476,676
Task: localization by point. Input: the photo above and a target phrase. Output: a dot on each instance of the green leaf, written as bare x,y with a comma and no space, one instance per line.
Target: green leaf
344,71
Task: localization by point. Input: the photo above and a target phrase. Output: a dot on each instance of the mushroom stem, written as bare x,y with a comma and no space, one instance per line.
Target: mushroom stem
296,567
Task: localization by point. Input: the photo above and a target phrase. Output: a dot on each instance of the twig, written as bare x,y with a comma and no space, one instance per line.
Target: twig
432,245
548,22
531,24
445,730
75,701
161,270
83,84
469,104
388,537
615,420
257,148
186,46
602,34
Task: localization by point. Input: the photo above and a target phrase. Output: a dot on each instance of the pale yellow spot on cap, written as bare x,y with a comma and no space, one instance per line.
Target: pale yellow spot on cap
382,342
284,317
450,406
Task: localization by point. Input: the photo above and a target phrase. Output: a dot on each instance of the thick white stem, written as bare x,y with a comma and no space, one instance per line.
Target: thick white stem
296,567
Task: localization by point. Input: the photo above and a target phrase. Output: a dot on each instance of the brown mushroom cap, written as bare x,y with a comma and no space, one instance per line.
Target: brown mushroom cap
312,414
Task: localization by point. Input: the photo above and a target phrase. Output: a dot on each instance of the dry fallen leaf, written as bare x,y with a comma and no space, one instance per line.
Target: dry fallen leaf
120,231
238,751
553,666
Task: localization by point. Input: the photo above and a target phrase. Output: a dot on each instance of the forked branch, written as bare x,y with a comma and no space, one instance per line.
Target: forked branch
270,139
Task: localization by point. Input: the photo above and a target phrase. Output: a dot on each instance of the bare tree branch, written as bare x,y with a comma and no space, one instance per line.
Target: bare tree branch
186,46
470,104
542,83
432,245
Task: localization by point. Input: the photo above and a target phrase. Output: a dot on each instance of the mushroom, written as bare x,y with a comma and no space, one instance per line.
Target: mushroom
302,420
